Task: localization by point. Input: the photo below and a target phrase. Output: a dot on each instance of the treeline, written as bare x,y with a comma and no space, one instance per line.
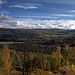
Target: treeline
57,41
60,61
48,45
15,34
22,35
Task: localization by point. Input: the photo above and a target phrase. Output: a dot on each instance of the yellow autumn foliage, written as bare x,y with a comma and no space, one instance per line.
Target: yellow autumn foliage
6,59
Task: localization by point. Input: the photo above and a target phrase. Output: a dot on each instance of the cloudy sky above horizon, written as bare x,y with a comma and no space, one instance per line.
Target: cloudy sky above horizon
43,14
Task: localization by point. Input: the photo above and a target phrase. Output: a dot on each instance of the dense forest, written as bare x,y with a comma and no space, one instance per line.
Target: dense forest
37,52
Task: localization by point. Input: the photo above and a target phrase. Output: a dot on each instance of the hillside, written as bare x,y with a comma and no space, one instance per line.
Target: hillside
46,38
37,51
22,34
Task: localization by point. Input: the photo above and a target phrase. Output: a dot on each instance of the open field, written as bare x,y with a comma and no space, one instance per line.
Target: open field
10,42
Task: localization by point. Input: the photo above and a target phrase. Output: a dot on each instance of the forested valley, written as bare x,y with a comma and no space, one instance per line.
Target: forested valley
37,52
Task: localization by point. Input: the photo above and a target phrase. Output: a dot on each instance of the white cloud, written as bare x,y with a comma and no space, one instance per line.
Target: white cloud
64,15
26,6
73,11
1,2
9,22
38,17
4,18
31,4
4,12
50,16
63,24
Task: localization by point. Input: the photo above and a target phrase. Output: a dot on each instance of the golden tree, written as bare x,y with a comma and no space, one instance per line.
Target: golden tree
59,56
66,54
6,59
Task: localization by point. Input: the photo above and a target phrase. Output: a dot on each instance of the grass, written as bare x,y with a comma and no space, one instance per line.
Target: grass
57,35
10,42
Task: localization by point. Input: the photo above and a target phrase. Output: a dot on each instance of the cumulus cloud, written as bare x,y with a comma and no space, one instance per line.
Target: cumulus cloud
9,22
4,18
48,24
26,6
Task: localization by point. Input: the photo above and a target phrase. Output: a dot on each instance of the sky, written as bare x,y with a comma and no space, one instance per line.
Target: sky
37,14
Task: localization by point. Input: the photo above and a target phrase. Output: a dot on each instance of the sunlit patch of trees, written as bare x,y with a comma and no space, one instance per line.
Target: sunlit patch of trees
27,62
